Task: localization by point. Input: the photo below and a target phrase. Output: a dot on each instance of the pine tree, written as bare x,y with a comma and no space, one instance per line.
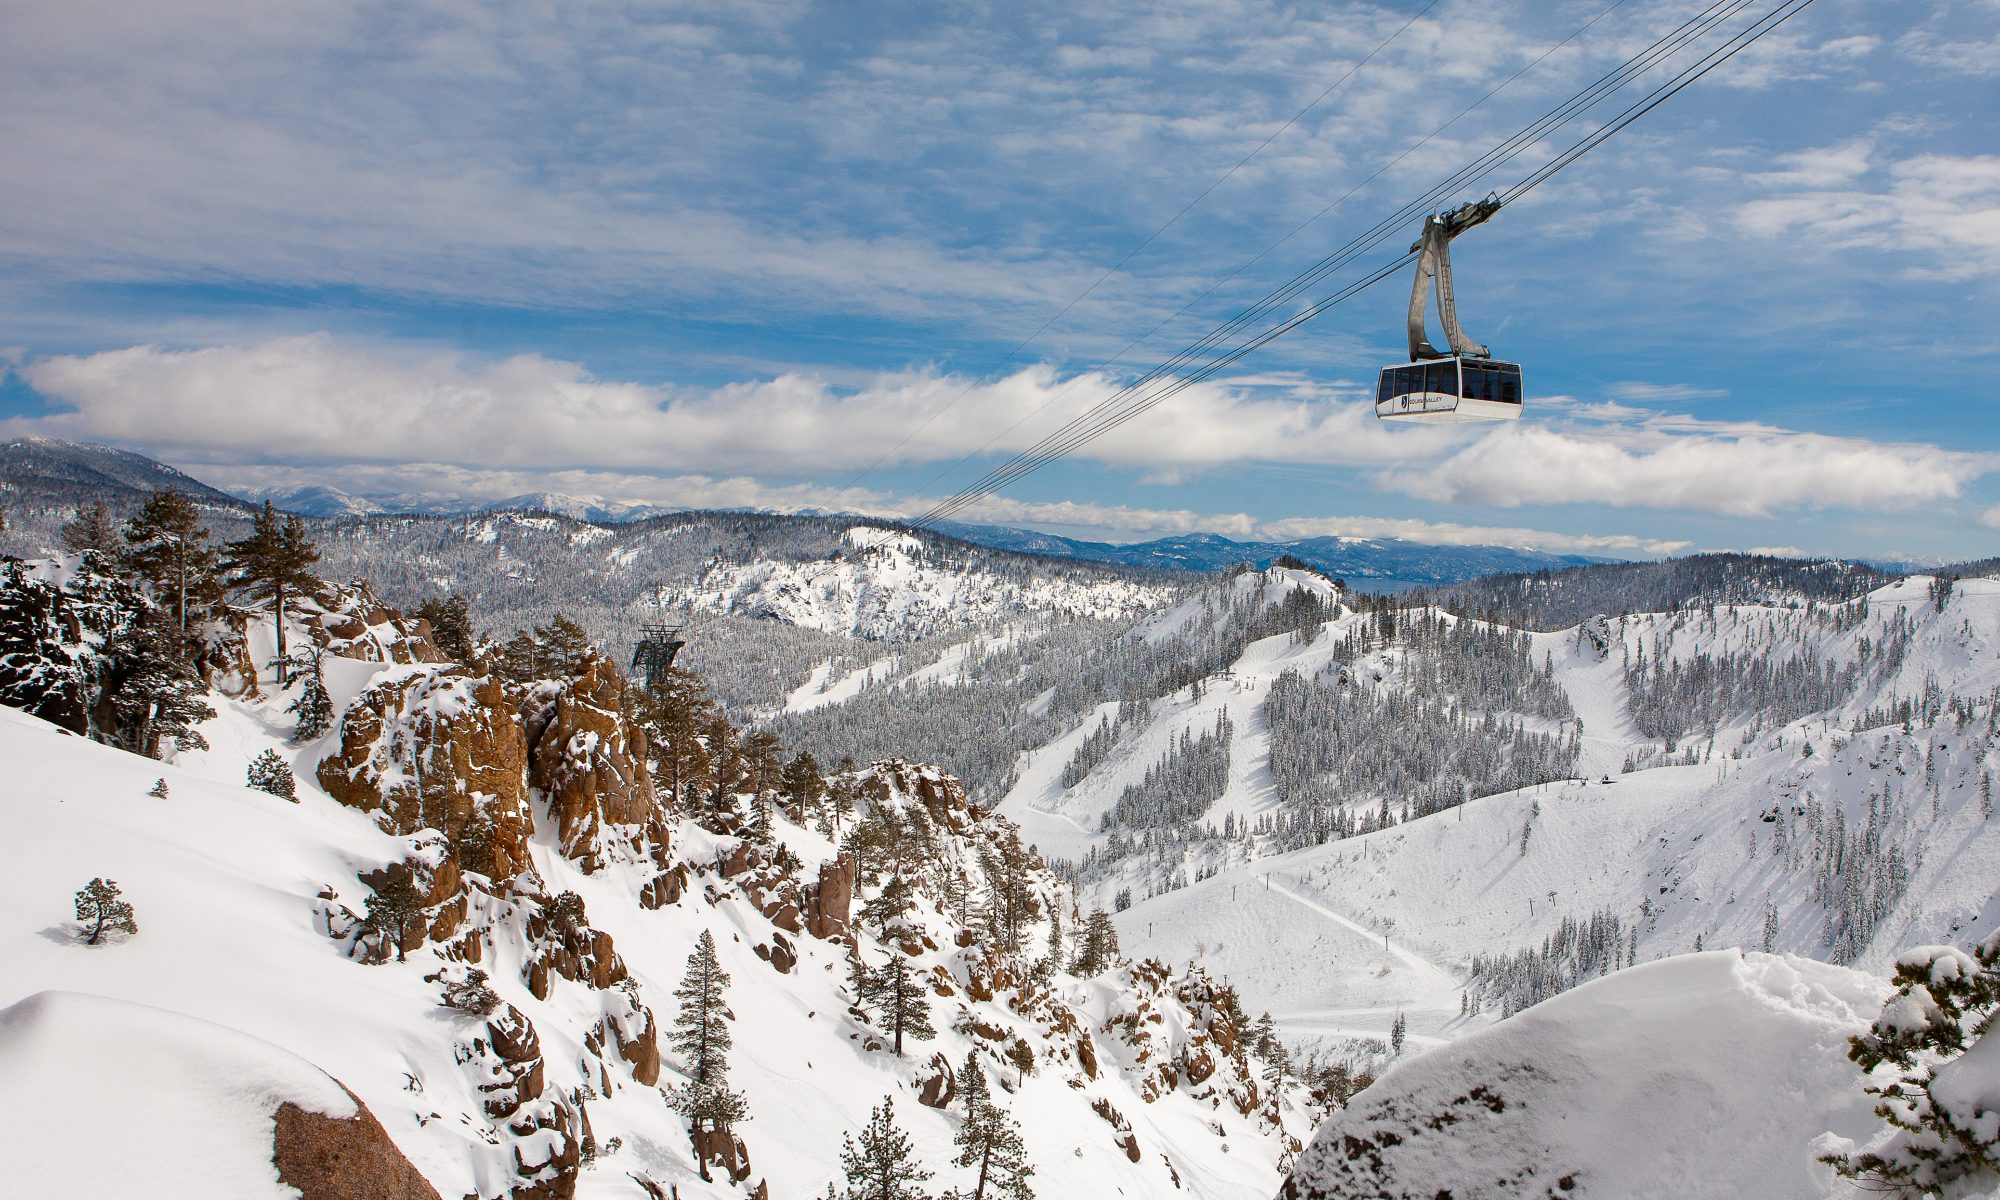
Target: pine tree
881,1165
1945,1143
1100,944
885,910
314,707
701,1033
167,545
99,905
709,1106
469,993
1397,1032
274,563
270,773
450,620
900,999
93,528
155,691
1012,901
565,645
760,750
803,785
396,911
566,914
989,1142
159,789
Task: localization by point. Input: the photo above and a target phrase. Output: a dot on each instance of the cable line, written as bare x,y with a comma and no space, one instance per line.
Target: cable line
1135,251
1301,227
1510,148
1141,395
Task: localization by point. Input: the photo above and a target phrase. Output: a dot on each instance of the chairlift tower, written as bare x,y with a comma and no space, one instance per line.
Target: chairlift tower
654,655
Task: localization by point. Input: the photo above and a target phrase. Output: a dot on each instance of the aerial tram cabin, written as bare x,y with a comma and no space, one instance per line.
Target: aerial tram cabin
1467,384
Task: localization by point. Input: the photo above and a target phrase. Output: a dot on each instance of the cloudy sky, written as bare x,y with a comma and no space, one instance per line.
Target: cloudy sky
783,253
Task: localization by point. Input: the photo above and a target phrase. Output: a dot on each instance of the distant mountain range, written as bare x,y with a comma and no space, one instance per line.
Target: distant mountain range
49,474
1371,564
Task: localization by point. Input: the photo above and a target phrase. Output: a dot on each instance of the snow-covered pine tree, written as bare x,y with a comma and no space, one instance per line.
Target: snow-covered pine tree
159,789
270,773
396,911
885,910
93,528
1945,1141
880,1164
1397,1032
98,905
1100,944
314,707
1012,902
900,1000
988,1142
274,563
468,991
155,690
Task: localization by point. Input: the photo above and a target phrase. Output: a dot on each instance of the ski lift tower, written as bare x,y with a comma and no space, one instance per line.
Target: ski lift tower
654,655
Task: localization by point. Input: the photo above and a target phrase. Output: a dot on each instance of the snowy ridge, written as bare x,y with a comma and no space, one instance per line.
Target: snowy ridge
883,588
1705,1075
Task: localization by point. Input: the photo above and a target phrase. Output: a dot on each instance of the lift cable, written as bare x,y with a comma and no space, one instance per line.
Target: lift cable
1501,154
1498,156
1135,398
1136,250
1266,252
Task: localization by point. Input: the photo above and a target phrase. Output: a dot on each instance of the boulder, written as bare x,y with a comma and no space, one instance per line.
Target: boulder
335,1158
937,1083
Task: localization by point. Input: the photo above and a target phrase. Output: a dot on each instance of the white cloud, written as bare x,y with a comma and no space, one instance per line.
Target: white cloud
1662,393
1943,207
1741,474
312,397
1991,517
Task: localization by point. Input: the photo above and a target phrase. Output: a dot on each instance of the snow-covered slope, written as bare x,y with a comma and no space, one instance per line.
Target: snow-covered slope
1878,837
243,903
882,587
1709,1075
191,1100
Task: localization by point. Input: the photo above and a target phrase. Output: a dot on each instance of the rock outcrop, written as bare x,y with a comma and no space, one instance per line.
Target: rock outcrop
350,622
427,748
589,760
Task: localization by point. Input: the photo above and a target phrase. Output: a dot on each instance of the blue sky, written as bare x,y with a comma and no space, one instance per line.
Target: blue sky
737,254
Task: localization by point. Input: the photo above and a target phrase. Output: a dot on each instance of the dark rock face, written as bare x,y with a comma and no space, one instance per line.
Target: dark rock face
334,1158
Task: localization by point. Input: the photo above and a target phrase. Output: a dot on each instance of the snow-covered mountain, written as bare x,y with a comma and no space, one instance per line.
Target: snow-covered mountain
41,472
519,824
885,585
